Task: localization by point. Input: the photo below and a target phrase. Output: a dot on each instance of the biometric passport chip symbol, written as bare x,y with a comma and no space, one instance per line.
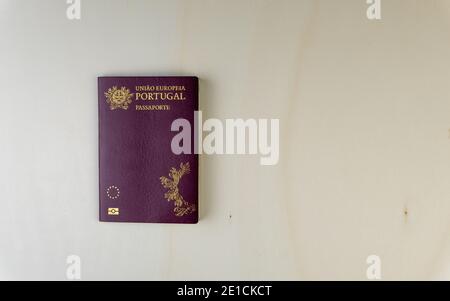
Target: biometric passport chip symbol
113,211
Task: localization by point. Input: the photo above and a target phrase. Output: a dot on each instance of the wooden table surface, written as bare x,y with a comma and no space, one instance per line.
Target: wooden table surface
364,115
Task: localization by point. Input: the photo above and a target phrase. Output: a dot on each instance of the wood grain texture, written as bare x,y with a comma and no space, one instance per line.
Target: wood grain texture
364,115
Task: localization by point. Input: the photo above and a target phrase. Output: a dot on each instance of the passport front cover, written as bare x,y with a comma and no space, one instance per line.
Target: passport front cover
141,179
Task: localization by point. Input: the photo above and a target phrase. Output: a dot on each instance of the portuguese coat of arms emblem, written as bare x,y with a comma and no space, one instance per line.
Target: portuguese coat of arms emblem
118,98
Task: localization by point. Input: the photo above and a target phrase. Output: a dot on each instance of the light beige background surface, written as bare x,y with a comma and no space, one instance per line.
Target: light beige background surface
365,152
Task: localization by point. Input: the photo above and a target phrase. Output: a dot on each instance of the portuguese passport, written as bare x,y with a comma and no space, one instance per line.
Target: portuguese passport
141,178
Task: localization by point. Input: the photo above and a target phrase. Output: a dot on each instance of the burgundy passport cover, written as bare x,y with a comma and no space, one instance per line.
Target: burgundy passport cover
141,179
